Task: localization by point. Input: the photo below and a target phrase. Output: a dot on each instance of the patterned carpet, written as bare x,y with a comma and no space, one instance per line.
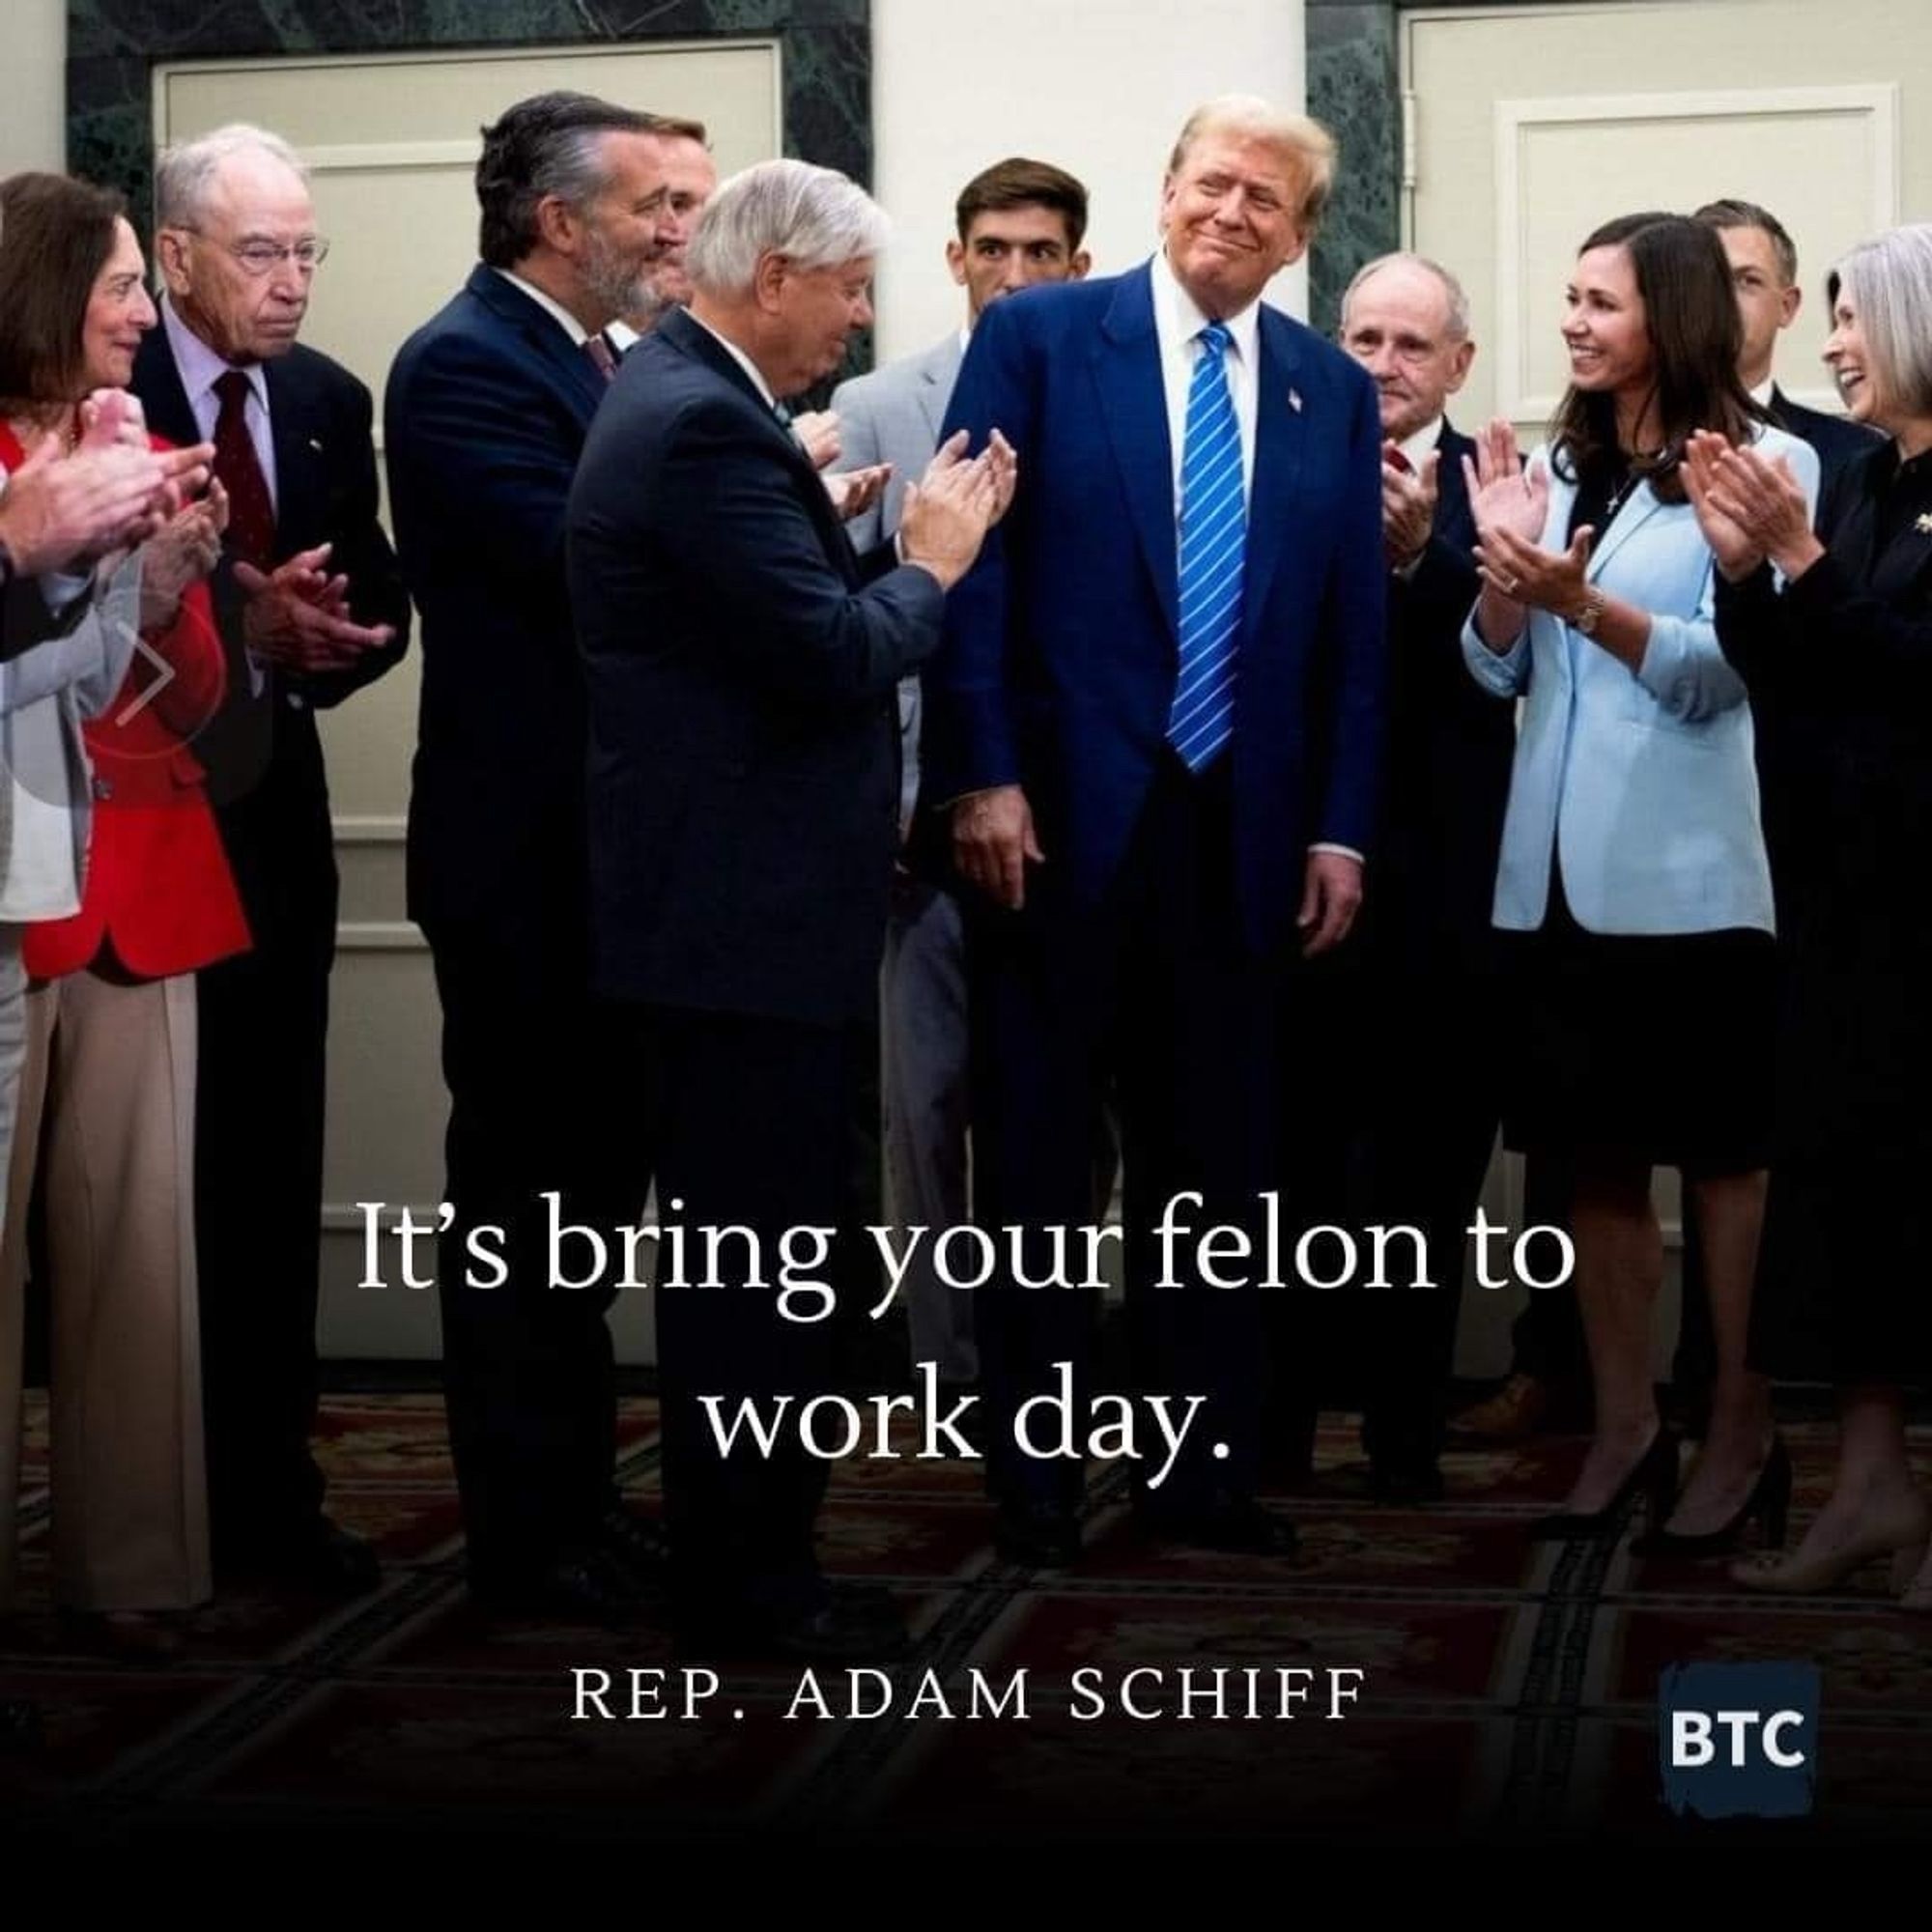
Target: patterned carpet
1511,1689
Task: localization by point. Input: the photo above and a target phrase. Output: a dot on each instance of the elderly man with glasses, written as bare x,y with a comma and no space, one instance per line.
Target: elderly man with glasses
312,607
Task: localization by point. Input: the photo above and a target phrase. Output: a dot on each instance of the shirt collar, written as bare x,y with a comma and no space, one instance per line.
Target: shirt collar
743,362
1763,393
1415,447
200,367
1176,308
550,307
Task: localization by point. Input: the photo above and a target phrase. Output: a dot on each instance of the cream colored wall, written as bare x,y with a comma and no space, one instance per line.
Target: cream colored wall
1100,87
33,57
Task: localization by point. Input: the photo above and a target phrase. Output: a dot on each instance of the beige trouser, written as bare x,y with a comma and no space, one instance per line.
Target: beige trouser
110,1067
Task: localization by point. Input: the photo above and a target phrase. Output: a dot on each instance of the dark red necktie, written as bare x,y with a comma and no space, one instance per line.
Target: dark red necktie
1392,455
599,352
251,512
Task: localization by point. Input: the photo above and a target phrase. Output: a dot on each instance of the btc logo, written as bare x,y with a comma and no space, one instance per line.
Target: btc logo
1738,1740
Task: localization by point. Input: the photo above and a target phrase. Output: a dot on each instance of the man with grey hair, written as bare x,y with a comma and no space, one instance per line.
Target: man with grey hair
312,607
743,664
488,406
1421,1088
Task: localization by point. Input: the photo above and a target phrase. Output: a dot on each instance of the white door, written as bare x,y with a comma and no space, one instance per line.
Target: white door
393,141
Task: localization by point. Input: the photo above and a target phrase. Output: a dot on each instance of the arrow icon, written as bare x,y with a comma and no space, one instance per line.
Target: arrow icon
165,675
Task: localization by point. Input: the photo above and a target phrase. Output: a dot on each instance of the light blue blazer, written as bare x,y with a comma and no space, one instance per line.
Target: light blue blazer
1643,781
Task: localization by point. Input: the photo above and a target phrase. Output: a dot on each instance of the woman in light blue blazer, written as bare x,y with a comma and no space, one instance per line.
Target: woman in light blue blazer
1632,877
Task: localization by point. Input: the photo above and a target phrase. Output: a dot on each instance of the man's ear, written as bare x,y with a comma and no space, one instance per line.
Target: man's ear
768,280
1789,301
171,255
1076,270
1459,369
956,260
558,225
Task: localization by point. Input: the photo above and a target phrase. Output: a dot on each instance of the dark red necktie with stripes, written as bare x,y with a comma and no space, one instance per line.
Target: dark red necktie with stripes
251,512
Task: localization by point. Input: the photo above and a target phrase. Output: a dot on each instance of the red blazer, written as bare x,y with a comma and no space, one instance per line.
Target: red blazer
158,889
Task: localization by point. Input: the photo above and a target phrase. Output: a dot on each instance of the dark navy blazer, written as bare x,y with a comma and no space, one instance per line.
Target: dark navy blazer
1062,647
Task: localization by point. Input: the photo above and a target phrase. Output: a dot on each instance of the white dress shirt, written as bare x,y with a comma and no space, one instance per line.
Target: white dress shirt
200,368
1177,324
743,362
1177,328
550,307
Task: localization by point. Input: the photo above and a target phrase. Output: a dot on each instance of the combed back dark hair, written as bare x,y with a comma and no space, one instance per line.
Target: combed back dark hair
550,144
1018,182
56,235
1730,211
1690,315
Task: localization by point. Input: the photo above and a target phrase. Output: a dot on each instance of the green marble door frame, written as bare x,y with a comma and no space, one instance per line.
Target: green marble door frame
1354,90
113,47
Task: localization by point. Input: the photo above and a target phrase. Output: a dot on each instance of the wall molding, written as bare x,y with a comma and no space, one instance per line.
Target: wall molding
1518,120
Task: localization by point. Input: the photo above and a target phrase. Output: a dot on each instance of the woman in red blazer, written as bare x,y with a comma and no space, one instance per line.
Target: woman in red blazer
110,1003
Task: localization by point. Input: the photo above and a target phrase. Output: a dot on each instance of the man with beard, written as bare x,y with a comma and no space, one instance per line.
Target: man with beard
488,407
690,179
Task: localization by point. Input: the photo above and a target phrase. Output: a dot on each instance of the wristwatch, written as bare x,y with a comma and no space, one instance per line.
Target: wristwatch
1590,613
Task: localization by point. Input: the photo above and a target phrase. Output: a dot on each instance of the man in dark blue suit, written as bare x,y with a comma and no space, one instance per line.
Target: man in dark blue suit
488,407
1425,1080
1764,268
1156,721
312,607
742,666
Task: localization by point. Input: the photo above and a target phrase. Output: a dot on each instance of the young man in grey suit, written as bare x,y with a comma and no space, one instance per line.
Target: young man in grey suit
1020,223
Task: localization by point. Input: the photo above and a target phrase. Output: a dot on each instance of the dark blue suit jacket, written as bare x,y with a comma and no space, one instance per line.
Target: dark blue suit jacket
1062,646
743,666
487,410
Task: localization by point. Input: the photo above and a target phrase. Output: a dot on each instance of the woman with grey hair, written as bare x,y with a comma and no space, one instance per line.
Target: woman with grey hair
1832,634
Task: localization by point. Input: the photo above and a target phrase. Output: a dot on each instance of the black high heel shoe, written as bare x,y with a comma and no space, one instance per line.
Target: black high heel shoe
1770,1501
1653,1477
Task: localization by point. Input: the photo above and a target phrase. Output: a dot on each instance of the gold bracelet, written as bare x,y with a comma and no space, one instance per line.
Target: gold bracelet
1590,613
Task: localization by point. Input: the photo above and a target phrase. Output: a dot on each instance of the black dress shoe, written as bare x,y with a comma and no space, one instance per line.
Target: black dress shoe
1240,1527
635,1543
1653,1476
1040,1536
1405,1484
843,1623
316,1557
586,1587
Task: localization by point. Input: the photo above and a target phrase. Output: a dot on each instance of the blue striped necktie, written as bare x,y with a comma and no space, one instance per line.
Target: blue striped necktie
1213,536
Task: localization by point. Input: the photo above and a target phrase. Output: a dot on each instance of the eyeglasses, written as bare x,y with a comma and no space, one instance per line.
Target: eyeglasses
263,258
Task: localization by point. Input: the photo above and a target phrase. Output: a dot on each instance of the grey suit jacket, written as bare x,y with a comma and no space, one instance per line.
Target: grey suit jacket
44,694
892,415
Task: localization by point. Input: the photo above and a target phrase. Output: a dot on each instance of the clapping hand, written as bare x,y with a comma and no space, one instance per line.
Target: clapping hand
854,491
185,550
1408,507
297,615
1762,498
950,509
1731,543
817,433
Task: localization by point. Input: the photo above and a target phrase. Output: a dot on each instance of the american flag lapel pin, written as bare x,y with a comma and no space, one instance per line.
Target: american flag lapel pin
1295,401
1924,524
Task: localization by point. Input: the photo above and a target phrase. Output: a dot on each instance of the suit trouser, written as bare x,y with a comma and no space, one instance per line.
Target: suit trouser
1153,997
928,1111
756,1132
110,1067
264,1067
542,1098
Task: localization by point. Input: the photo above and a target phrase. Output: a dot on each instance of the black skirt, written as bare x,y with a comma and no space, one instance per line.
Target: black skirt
1640,1047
